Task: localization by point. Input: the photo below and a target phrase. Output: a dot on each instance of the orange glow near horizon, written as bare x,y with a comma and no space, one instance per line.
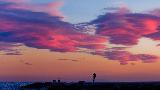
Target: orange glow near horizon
45,40
46,66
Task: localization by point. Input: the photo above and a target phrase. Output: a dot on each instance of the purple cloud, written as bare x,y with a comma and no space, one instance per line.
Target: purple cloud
42,31
74,60
127,28
13,53
9,48
26,63
154,36
124,57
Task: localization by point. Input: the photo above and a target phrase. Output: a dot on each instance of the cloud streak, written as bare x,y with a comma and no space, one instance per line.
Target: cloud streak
9,48
124,57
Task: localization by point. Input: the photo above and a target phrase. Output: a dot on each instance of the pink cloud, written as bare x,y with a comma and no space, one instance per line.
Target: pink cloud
124,57
155,12
52,8
32,26
16,1
123,10
5,46
9,48
39,30
154,36
126,28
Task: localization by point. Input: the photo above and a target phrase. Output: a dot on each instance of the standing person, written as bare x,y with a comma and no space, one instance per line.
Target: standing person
94,77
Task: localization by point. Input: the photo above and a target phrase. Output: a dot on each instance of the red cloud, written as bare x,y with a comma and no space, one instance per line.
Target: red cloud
151,26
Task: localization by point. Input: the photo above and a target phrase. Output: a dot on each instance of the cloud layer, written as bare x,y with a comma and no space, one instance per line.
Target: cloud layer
122,27
42,27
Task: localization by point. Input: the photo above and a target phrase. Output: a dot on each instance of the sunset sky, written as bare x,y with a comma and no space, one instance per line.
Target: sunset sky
43,40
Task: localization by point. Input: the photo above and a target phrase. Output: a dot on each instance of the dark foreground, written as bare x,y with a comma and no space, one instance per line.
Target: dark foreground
90,86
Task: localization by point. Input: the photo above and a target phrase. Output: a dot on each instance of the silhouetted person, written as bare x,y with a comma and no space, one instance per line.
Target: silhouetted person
94,77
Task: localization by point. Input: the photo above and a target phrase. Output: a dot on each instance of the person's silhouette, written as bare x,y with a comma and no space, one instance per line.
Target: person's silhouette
94,77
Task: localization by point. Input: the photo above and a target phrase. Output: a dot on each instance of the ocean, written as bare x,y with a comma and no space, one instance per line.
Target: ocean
12,85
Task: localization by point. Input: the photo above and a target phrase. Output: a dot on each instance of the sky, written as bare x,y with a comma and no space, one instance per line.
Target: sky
44,40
